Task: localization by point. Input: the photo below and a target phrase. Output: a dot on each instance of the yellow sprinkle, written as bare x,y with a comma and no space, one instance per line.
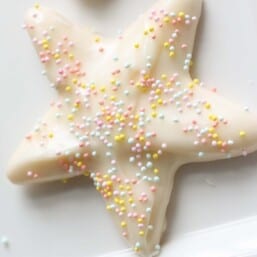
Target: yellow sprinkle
146,76
93,86
213,117
154,114
151,29
108,118
181,14
138,84
242,133
168,84
70,117
160,101
215,136
130,200
141,139
211,130
123,209
97,39
64,181
171,54
45,46
86,173
207,106
122,136
166,19
196,81
121,202
139,220
191,85
109,194
145,32
71,56
68,88
113,98
166,44
77,105
74,81
155,156
156,171
108,207
136,45
219,143
102,89
158,91
113,81
136,249
123,224
56,56
37,5
141,233
83,85
164,76
51,135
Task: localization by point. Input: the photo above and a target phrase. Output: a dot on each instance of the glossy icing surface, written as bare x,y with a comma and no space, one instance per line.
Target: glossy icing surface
128,114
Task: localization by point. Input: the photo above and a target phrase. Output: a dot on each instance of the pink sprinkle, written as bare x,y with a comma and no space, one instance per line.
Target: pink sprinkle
113,177
28,137
244,153
135,215
134,181
153,189
203,141
29,173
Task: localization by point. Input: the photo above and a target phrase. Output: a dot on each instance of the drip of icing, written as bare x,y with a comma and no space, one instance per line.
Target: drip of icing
128,115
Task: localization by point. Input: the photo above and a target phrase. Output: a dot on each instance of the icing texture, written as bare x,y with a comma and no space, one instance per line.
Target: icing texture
128,114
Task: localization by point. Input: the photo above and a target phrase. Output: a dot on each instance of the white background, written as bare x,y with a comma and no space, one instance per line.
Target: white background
57,220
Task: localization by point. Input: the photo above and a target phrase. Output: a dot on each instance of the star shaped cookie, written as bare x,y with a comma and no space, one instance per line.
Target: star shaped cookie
128,114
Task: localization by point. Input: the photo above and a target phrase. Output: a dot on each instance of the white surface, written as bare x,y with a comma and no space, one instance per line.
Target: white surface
235,239
57,220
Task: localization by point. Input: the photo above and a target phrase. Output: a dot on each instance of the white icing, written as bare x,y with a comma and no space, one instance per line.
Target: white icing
37,159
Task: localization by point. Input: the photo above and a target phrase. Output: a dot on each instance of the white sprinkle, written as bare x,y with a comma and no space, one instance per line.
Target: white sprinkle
5,241
200,154
157,247
148,210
